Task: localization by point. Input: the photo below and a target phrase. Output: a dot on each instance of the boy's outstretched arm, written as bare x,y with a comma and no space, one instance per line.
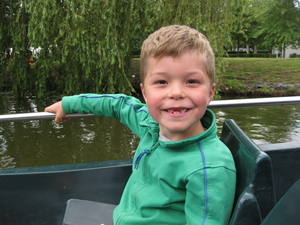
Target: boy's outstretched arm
58,110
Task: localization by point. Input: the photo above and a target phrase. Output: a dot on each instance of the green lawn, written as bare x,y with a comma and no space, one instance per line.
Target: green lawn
241,72
269,70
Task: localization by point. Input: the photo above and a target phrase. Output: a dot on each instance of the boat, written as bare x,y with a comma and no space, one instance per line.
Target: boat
267,191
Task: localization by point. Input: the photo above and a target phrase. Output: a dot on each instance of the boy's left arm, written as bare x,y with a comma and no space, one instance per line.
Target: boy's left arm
128,110
209,197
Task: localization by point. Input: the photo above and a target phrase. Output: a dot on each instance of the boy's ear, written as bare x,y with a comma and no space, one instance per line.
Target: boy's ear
212,92
143,92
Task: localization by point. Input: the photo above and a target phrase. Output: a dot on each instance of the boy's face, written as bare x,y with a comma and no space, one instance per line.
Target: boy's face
177,92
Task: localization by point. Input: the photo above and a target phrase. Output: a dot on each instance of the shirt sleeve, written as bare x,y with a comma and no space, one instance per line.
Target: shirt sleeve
128,110
209,197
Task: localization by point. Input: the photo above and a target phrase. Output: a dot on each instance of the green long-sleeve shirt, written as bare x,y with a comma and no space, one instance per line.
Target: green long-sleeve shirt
186,182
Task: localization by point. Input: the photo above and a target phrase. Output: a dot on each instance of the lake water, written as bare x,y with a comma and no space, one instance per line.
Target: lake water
91,139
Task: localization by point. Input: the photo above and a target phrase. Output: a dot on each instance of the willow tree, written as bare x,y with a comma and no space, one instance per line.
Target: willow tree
14,46
86,45
5,39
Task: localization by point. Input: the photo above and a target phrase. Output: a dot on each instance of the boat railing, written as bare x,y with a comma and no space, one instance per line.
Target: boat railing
234,103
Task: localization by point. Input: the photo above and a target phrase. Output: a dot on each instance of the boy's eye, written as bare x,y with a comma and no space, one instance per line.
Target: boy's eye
161,82
193,82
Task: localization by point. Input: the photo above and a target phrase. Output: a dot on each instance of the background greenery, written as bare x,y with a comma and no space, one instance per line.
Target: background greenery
87,45
267,77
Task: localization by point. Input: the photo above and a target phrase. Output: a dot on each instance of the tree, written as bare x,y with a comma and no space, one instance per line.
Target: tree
278,23
14,43
242,25
86,45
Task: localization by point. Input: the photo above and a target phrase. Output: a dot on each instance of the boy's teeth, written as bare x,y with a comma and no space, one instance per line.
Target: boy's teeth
177,111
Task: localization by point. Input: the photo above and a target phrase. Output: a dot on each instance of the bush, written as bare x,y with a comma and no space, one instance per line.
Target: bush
252,55
294,55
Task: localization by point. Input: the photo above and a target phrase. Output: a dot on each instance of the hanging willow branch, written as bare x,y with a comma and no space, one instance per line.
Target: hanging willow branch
86,45
89,43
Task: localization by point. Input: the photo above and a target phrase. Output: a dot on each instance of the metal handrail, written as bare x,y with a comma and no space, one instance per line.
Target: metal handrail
235,103
254,102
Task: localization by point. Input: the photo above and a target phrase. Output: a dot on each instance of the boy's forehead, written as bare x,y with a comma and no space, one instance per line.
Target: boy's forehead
200,56
160,63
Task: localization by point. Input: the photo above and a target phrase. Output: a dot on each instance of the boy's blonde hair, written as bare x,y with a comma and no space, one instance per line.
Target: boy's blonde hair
173,41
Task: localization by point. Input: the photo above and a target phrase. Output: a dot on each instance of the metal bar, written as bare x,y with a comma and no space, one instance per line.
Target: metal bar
235,103
252,102
35,116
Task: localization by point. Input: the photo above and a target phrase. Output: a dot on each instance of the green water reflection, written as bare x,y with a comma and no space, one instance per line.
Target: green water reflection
272,124
90,139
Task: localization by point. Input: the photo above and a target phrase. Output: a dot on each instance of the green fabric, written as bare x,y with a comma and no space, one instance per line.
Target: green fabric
186,182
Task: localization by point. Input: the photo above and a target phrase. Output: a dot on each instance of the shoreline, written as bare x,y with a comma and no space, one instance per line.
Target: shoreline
263,89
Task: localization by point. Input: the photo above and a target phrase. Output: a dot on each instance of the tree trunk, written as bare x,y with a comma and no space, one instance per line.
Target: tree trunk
238,47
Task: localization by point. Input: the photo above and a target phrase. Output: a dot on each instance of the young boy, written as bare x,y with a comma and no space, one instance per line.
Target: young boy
182,173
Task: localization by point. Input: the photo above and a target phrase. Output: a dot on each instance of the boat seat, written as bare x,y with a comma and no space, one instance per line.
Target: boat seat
255,196
287,210
83,212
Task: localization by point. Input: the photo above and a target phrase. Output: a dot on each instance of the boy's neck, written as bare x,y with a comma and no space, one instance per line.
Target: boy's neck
181,135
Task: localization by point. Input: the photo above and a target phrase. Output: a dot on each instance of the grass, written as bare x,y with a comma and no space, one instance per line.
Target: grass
241,73
263,70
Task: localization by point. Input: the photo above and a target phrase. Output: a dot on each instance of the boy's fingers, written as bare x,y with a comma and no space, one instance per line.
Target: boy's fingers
46,109
57,109
50,109
58,119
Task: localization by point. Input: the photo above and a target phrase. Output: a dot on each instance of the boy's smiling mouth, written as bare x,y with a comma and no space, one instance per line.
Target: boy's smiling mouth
177,110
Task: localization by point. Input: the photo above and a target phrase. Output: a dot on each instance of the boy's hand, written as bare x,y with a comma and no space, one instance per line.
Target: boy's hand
58,110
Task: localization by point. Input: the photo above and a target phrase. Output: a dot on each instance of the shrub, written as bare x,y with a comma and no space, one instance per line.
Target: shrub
294,55
252,55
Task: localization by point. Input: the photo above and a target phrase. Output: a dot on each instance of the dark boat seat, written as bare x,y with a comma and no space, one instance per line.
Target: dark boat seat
254,197
82,212
287,210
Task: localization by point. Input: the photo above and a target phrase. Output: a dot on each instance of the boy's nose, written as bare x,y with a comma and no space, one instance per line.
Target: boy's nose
176,92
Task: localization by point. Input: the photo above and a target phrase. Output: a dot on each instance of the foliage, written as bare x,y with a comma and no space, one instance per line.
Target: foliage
87,45
89,42
13,32
275,23
252,55
267,24
243,24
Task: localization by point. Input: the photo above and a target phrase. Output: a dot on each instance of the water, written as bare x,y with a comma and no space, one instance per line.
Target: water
265,125
90,139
